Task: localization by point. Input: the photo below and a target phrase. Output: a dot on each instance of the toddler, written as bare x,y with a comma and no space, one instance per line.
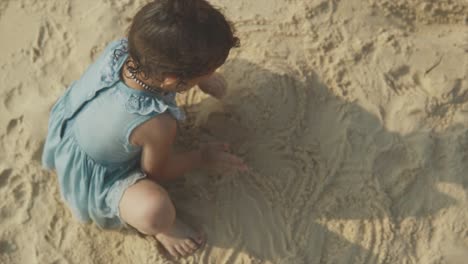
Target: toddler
110,135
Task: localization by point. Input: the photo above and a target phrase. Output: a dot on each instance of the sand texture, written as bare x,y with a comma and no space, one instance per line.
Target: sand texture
351,114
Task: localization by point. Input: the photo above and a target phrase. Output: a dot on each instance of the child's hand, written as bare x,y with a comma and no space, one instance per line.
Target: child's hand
215,86
216,156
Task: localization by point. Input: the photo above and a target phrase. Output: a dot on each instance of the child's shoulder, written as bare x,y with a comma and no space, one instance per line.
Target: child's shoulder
115,50
117,44
105,70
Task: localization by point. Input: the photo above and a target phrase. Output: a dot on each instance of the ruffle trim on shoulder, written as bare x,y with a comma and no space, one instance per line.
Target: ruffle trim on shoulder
144,105
136,103
113,61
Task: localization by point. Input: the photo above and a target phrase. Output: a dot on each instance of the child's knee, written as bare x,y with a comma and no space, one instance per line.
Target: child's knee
157,214
147,207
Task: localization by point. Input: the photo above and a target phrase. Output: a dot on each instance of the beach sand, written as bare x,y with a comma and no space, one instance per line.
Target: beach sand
352,116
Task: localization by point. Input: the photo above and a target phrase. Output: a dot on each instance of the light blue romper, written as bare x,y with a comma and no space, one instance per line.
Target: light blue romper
88,137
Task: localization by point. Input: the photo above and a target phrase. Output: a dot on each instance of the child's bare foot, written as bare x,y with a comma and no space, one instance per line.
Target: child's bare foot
181,240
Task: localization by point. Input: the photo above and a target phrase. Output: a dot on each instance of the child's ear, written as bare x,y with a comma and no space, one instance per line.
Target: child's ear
169,81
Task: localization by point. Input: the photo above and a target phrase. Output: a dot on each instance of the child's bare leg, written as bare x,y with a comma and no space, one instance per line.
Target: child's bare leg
147,207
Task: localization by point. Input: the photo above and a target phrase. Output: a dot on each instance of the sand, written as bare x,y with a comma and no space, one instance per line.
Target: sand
352,116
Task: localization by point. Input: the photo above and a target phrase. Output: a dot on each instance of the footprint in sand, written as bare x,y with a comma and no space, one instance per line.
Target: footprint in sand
4,176
13,97
16,200
7,247
401,80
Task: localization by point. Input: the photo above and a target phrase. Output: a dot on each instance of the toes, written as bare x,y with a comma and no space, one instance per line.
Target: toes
192,245
187,250
173,252
180,250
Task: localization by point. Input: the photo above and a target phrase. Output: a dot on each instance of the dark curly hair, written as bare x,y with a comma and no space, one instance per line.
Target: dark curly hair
186,38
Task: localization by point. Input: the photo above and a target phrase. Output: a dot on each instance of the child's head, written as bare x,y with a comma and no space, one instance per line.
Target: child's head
180,39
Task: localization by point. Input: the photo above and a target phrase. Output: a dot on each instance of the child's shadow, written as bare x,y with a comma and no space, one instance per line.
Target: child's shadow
328,183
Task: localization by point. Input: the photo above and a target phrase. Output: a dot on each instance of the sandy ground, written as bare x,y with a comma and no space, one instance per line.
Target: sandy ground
352,115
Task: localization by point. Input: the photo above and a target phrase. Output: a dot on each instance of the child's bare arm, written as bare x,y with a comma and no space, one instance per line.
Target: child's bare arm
215,86
180,163
157,137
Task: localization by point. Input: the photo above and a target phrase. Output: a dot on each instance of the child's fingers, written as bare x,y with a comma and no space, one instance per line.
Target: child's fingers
219,146
221,157
230,160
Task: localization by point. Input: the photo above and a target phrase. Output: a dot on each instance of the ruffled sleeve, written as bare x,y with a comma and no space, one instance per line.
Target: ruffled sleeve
115,55
146,105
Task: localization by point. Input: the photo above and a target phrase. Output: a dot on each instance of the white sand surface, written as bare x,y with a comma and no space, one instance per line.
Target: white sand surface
351,114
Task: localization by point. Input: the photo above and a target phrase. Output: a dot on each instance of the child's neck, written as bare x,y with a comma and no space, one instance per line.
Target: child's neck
125,77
